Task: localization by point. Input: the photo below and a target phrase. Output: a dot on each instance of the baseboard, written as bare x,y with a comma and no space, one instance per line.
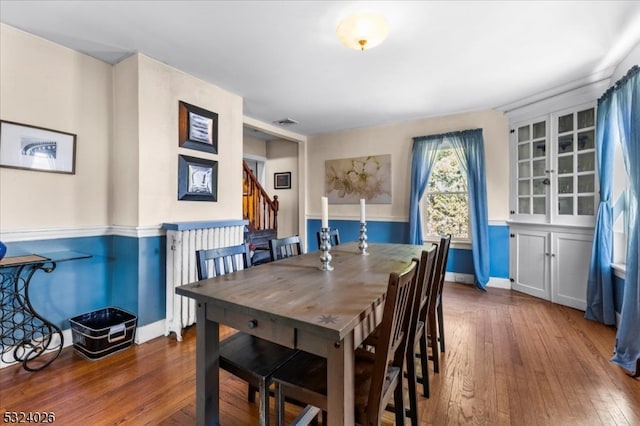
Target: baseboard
150,331
143,334
494,282
503,283
456,277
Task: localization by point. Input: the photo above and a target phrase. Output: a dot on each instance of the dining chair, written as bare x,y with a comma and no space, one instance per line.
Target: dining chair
250,358
417,328
377,376
334,237
282,248
435,320
425,287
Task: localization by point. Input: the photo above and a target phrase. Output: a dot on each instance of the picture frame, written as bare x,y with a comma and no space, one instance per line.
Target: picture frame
197,179
27,147
282,180
347,180
197,128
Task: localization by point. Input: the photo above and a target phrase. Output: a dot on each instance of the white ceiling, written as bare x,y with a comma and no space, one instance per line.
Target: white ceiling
284,59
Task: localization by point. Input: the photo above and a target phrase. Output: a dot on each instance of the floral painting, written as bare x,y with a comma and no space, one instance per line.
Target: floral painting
350,179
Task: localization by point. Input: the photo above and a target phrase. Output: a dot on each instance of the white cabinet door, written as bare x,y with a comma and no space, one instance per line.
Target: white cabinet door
571,254
530,262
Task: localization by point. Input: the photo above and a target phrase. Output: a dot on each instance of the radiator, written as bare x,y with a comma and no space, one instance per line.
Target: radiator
181,268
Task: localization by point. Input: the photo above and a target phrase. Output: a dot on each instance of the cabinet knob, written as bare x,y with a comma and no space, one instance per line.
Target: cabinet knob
546,254
253,324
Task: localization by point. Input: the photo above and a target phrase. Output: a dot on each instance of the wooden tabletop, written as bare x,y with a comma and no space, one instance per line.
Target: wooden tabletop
295,292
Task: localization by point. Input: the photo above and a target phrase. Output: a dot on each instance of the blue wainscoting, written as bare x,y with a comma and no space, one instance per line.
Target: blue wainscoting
460,260
126,272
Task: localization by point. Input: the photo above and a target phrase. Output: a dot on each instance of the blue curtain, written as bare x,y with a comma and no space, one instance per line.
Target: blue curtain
469,148
627,96
423,157
600,303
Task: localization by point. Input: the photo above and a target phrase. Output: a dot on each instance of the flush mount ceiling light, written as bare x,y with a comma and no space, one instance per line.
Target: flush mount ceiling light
362,31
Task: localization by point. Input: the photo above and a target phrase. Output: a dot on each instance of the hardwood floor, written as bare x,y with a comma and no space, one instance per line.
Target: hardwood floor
511,359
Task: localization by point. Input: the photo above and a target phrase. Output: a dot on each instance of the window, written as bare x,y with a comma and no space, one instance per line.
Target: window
621,192
445,204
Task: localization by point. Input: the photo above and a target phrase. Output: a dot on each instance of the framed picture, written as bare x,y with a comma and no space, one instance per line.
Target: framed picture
35,148
282,180
347,180
197,128
197,179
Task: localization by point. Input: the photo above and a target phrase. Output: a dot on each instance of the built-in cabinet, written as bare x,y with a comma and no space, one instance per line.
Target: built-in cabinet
553,202
551,263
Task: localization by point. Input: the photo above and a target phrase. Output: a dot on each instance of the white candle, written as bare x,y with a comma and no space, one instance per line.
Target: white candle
362,219
325,212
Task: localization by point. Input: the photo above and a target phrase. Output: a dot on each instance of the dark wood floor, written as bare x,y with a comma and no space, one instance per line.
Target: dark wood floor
511,360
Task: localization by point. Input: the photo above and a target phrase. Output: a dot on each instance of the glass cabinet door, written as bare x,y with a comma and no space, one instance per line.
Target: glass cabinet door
553,170
532,154
575,163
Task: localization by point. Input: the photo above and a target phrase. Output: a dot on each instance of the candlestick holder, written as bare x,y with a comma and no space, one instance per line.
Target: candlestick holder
362,245
325,248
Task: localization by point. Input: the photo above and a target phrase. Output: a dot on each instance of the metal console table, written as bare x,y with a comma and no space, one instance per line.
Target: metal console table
25,336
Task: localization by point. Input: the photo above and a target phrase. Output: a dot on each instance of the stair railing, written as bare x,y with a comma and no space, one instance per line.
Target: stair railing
257,206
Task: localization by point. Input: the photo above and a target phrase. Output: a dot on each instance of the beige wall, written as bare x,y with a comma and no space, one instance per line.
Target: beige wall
283,157
124,187
254,146
161,88
126,121
396,139
46,85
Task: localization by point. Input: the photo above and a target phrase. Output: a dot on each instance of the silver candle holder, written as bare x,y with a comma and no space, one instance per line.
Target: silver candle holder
325,248
362,245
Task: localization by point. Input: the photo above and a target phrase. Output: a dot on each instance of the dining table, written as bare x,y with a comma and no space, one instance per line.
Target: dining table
299,304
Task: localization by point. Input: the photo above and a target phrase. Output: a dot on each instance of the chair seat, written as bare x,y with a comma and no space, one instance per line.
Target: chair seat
307,374
250,357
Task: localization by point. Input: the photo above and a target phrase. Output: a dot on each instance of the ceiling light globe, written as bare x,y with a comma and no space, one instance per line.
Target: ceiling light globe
362,31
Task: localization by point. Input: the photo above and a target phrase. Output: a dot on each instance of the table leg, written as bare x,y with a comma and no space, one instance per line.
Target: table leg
207,368
340,363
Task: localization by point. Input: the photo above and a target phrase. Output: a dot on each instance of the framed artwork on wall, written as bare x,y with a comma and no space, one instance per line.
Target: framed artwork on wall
347,180
197,128
36,148
282,180
197,179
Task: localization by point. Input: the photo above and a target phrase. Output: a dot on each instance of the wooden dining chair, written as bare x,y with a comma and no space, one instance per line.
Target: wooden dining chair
250,358
377,376
425,287
435,322
281,248
334,237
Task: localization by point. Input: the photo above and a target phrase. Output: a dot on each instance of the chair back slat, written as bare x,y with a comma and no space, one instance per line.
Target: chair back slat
281,248
219,261
430,279
424,288
334,237
441,262
397,308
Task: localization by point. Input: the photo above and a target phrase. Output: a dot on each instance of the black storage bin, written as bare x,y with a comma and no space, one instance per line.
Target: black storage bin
103,332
